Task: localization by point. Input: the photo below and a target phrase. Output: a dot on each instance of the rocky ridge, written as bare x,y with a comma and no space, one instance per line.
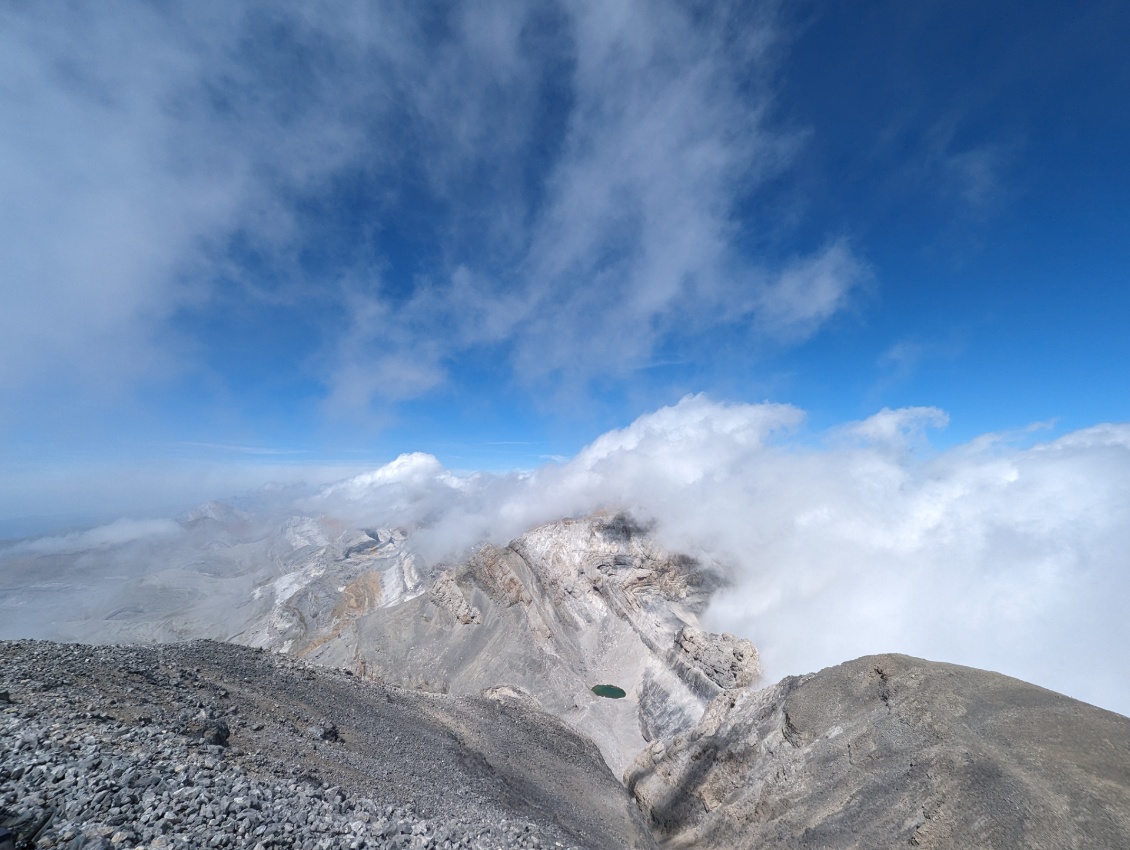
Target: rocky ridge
212,745
891,751
564,607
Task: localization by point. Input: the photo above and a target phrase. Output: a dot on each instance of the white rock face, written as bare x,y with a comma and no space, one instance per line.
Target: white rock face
567,606
332,575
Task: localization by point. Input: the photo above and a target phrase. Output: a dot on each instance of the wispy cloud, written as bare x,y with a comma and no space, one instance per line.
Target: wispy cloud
570,171
244,450
118,533
809,292
137,141
975,176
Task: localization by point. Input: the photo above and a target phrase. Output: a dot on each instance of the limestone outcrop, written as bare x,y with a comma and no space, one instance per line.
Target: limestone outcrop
726,661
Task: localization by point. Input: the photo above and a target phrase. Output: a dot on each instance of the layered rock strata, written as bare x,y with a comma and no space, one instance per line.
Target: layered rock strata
567,606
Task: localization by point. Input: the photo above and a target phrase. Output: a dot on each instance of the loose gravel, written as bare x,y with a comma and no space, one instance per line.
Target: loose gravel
148,747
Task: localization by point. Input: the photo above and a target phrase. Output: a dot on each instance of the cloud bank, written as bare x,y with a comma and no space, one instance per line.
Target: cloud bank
1000,553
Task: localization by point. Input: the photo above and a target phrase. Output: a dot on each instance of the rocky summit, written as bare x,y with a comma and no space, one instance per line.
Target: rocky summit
559,691
565,607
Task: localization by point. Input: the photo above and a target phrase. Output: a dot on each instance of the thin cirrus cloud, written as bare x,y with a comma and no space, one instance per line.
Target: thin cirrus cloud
809,292
135,142
580,164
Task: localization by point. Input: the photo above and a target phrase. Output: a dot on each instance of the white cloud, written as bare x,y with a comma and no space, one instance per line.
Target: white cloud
136,140
117,533
1002,553
810,292
666,137
400,487
898,427
991,554
581,166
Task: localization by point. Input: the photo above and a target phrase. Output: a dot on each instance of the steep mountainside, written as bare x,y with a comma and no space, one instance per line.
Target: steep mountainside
565,607
438,691
204,744
892,751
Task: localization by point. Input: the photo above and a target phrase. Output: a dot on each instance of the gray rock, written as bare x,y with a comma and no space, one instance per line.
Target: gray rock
661,714
890,750
727,661
448,596
324,732
566,606
216,732
492,772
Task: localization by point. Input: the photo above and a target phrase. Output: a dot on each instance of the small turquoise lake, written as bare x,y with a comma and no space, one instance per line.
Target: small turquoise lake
609,691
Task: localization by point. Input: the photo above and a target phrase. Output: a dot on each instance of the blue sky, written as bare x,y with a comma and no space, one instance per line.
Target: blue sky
251,241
